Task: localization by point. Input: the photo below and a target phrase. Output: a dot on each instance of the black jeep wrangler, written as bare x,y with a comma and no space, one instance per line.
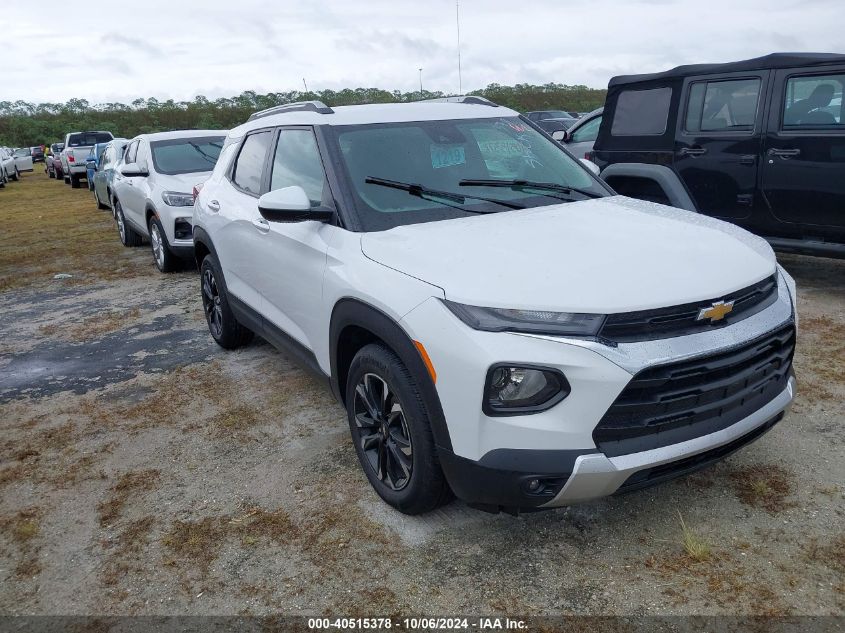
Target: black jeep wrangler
760,143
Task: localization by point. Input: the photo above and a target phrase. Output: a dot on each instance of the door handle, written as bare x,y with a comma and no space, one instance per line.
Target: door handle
261,224
747,159
213,205
693,151
784,153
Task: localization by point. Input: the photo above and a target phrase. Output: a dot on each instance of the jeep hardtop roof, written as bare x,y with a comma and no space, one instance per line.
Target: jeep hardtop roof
774,60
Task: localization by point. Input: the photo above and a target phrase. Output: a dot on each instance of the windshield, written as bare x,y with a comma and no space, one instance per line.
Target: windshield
85,139
438,155
186,155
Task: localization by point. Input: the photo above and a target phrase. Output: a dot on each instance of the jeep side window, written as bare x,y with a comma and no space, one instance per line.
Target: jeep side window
813,102
641,112
297,162
249,166
722,105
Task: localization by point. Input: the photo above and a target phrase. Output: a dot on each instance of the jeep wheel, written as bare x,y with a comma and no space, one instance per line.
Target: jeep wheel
164,259
224,327
128,236
391,432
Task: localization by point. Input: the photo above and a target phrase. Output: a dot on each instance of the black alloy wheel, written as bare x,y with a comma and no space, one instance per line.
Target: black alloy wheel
211,303
382,432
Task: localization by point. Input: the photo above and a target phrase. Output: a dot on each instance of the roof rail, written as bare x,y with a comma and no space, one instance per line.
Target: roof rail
470,99
299,106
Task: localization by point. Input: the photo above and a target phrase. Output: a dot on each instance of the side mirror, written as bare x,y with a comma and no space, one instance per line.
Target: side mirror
290,204
559,136
133,171
596,171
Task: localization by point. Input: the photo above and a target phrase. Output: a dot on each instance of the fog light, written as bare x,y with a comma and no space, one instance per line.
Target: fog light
517,390
533,485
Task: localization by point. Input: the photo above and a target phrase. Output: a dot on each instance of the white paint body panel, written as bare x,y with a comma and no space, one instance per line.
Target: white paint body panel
608,255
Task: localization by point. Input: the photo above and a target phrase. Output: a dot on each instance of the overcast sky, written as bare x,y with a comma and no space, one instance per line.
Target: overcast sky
119,51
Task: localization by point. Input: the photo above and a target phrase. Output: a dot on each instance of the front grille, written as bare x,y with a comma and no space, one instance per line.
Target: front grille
672,403
647,325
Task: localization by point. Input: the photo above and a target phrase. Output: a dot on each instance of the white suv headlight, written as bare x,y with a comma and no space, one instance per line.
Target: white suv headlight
177,199
530,321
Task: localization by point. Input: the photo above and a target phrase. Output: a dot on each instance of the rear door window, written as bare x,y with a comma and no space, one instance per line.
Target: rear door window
813,102
132,152
587,132
641,112
249,166
727,106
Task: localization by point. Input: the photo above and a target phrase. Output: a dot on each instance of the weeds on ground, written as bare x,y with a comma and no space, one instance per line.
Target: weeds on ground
129,484
763,486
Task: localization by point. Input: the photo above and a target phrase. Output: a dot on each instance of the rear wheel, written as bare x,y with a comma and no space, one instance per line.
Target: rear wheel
224,327
128,236
66,178
16,175
74,181
391,432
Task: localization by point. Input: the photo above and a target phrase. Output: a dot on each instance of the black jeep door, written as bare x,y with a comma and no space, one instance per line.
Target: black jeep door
717,144
804,153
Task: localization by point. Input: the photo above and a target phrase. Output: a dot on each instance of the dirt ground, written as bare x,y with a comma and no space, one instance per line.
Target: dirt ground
143,470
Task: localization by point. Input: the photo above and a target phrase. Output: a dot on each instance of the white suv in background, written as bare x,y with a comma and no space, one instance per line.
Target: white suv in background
152,191
495,319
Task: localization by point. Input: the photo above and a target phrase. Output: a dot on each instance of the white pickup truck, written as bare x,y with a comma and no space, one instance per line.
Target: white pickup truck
77,147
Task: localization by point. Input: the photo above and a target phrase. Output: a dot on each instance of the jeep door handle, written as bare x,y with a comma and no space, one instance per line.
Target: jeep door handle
784,153
693,151
261,224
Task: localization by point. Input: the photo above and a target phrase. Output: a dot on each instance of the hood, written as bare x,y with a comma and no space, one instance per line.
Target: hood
604,256
181,183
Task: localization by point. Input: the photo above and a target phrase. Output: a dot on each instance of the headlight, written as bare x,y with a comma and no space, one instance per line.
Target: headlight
519,390
177,199
532,321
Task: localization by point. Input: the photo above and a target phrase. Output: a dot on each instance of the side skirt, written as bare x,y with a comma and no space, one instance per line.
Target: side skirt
278,338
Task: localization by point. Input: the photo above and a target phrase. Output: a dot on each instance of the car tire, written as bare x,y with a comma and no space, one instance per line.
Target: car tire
74,181
100,205
66,179
165,260
224,327
16,176
391,432
128,236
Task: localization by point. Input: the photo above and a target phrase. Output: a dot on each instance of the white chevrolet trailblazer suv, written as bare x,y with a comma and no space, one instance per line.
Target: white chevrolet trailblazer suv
495,320
152,191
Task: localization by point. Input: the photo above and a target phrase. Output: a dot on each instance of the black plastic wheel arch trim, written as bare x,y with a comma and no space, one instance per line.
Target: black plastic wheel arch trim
354,312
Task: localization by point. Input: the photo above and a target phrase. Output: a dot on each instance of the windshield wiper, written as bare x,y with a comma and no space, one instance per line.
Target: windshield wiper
425,193
211,159
530,184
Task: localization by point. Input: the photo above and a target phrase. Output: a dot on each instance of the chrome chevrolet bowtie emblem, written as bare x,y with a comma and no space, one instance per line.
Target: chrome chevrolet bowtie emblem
716,312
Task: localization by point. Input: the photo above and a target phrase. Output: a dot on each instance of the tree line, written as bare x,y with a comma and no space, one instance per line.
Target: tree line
25,124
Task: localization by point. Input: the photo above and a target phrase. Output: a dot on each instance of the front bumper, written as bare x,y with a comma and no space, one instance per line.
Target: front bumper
491,460
597,475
